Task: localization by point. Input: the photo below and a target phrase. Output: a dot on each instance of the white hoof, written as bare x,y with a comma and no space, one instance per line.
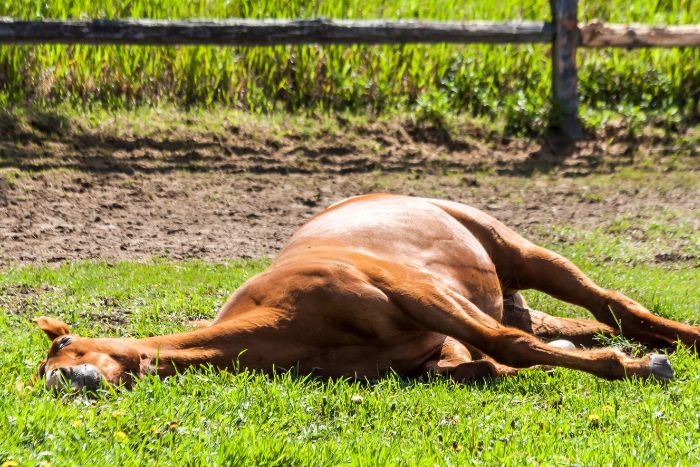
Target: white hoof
562,344
660,367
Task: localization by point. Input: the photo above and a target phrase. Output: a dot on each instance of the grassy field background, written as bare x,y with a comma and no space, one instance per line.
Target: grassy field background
498,82
221,418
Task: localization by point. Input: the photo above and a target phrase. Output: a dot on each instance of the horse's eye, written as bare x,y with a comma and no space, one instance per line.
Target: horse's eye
63,341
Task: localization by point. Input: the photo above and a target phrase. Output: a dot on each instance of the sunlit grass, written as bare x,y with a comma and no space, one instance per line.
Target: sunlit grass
218,418
504,81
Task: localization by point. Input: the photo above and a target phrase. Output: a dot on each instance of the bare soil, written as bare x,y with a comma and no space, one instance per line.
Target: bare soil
241,191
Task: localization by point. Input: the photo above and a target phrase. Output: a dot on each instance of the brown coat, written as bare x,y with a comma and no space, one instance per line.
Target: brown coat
382,282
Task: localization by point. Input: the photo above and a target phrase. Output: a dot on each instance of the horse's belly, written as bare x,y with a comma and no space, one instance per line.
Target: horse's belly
405,358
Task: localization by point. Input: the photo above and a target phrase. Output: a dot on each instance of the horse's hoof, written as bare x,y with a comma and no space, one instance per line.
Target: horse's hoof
660,367
562,344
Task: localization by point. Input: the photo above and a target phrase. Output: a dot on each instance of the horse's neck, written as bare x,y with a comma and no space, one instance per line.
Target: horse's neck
219,345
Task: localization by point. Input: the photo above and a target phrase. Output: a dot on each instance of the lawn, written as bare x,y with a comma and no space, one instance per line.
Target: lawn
209,417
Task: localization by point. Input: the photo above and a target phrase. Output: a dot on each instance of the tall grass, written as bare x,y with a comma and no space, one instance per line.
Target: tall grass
510,81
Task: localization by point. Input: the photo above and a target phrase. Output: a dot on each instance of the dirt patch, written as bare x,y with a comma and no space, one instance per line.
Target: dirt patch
241,193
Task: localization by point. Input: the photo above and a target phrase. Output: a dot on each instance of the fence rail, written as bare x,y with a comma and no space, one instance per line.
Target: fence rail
332,31
563,32
271,32
599,34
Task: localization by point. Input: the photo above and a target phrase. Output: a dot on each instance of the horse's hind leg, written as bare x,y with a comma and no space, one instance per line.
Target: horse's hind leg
581,332
541,269
522,265
440,309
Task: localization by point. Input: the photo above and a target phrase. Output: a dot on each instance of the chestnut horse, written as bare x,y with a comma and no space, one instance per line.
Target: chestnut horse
383,283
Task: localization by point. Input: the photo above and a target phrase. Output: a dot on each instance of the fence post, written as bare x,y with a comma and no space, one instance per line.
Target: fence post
564,77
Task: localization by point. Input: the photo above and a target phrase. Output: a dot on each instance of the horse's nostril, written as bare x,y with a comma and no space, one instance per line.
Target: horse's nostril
61,375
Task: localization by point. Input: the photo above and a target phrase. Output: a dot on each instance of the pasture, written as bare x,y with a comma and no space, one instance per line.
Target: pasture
140,186
220,418
629,221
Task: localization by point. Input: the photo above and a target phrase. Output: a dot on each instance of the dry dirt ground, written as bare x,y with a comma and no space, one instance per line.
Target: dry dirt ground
237,189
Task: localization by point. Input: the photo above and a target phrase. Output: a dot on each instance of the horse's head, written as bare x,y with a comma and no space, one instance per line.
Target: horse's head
87,363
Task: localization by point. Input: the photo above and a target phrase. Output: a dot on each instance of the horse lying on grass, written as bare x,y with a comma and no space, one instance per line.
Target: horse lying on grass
383,283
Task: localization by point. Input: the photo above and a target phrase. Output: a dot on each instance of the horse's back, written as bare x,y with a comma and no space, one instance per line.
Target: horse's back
411,232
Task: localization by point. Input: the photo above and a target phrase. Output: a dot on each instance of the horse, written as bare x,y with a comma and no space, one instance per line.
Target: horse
386,283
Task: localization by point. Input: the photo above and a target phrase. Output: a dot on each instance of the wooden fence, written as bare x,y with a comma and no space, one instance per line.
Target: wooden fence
563,32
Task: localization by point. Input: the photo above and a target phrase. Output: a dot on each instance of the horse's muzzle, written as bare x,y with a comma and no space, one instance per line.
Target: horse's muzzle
85,376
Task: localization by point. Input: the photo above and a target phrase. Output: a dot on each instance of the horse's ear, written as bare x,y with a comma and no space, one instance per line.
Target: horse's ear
52,327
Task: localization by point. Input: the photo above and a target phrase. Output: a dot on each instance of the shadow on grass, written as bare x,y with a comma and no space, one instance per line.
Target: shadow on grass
45,140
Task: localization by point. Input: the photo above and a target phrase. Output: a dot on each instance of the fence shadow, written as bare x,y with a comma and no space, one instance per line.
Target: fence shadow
44,140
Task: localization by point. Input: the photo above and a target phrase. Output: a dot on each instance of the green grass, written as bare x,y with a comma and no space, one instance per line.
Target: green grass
208,417
496,82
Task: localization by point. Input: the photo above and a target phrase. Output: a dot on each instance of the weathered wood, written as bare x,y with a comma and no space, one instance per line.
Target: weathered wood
327,31
270,32
598,34
564,76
